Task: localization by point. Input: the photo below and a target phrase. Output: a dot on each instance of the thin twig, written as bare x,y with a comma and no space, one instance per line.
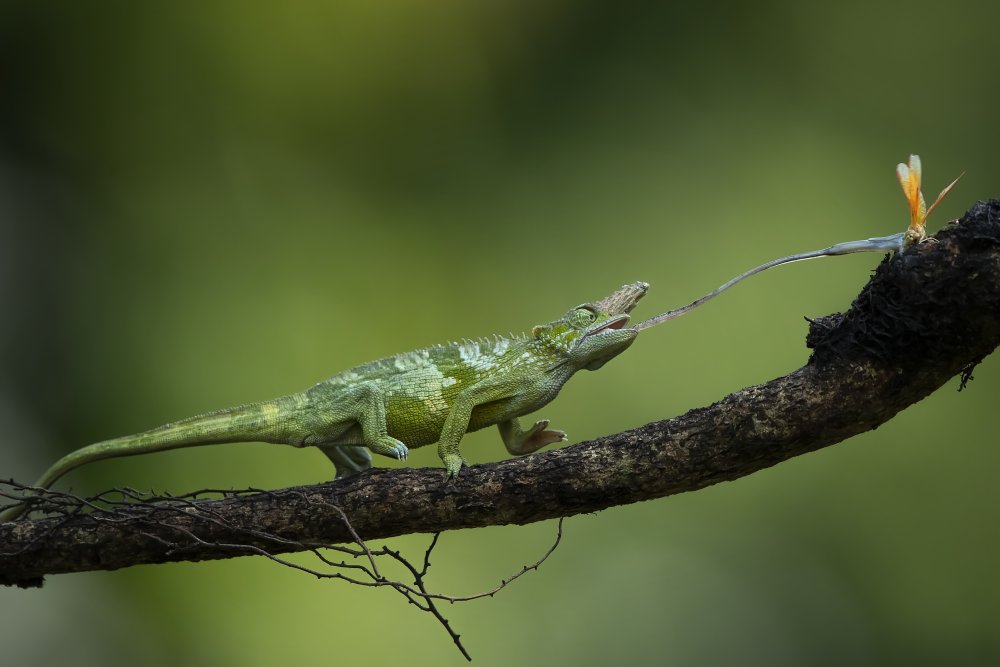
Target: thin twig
148,512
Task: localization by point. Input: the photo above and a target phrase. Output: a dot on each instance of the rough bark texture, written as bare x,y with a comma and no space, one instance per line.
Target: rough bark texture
926,315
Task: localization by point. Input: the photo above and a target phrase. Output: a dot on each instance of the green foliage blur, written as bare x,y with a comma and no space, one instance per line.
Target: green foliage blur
203,204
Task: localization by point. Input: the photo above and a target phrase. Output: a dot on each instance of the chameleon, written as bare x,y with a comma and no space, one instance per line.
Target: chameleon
432,395
439,393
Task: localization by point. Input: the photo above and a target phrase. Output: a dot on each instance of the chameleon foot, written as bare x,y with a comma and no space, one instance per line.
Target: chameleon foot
453,464
390,447
348,460
537,436
525,442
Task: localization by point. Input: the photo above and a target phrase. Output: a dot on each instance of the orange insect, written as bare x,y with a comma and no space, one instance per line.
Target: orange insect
909,179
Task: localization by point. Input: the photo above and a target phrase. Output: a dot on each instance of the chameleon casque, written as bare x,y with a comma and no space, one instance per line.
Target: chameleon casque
438,394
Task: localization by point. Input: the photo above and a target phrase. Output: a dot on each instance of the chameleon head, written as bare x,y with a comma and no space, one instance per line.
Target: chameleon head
592,334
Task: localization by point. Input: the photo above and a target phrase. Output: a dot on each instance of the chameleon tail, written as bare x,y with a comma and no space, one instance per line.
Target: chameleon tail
877,244
256,422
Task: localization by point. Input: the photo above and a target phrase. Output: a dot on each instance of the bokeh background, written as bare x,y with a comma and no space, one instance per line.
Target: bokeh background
203,204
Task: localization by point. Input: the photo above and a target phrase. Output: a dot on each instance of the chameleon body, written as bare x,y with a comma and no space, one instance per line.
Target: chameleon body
432,395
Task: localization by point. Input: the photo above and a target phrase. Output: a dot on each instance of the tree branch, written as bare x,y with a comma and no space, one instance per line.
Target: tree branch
926,315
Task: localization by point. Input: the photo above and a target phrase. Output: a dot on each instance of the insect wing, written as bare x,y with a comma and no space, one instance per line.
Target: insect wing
944,192
909,180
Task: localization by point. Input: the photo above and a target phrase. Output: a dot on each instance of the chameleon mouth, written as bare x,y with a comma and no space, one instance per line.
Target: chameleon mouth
612,325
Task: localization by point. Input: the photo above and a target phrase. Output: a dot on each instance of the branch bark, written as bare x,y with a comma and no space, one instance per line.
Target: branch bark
926,315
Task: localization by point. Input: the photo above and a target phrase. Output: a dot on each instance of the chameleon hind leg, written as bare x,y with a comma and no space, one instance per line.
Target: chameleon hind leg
363,405
347,459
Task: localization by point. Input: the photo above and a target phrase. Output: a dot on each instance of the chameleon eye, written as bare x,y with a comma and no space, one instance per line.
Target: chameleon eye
582,317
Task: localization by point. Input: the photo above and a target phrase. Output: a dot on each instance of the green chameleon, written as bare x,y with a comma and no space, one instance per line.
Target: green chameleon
413,399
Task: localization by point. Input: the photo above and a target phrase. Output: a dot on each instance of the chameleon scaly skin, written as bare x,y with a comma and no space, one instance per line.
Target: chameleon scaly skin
432,395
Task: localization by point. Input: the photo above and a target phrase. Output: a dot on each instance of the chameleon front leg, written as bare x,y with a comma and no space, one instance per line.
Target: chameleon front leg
457,422
520,442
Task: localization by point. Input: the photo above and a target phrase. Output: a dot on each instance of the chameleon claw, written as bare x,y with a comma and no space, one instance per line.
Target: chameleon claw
392,448
539,426
538,436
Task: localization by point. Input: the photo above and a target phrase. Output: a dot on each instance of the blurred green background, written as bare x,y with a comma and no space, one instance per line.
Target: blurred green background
203,204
